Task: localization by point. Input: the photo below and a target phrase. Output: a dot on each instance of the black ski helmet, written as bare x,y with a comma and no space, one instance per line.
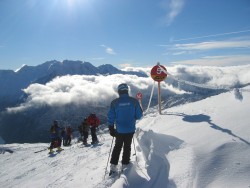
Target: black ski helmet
122,88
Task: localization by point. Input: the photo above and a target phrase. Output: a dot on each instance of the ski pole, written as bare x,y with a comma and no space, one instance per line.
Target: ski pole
100,133
108,158
134,147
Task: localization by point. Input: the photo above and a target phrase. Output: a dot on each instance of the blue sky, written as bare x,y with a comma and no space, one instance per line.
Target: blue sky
125,32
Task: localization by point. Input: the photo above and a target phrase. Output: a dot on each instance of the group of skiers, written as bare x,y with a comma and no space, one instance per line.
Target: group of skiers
91,122
122,116
58,134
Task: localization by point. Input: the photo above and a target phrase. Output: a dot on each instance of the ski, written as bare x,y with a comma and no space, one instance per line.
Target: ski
3,150
58,151
40,150
86,145
96,144
53,153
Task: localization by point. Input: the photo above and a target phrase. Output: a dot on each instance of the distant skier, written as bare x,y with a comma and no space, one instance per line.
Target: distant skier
93,121
55,135
85,131
81,133
64,137
68,135
124,111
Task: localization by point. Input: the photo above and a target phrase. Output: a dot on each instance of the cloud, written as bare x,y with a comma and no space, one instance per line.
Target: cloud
178,53
229,60
211,76
242,45
208,36
84,90
97,58
108,50
185,48
213,45
124,65
101,90
174,8
228,77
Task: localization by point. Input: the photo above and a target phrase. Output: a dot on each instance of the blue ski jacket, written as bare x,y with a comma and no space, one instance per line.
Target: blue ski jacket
124,111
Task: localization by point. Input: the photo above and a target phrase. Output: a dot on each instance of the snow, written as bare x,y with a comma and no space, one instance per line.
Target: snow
200,144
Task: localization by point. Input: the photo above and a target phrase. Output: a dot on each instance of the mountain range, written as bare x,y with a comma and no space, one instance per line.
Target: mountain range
33,96
12,82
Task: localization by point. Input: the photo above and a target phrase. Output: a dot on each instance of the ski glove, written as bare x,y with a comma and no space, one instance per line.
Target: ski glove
112,131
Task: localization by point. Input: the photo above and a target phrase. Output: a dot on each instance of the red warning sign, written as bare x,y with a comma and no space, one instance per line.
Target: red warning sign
139,95
158,73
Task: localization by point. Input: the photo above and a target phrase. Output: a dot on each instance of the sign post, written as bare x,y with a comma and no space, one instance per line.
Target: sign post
139,97
158,73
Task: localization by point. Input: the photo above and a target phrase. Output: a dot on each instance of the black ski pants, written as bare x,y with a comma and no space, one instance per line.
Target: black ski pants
85,136
93,134
55,142
68,141
122,141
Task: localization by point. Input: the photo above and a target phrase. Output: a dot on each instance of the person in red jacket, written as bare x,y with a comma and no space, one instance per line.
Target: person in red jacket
93,121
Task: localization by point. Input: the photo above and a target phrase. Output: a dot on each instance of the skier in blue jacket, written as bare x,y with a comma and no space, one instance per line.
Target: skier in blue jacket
123,112
55,137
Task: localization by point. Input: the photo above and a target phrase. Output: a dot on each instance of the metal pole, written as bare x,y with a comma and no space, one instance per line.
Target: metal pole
134,147
108,158
159,97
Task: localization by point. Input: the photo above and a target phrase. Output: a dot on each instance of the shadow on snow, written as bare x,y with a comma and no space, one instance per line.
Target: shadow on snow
155,148
204,118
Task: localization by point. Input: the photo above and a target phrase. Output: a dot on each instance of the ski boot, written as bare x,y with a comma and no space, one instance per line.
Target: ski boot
95,142
113,169
51,151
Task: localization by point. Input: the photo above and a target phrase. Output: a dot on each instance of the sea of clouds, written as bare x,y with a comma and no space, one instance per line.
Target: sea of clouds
96,90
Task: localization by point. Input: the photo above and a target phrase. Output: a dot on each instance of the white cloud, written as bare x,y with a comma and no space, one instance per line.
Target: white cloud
213,45
108,50
185,49
174,8
83,90
240,43
214,75
124,65
97,58
101,90
209,36
179,53
218,60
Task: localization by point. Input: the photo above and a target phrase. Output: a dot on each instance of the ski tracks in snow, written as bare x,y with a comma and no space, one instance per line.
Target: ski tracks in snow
158,162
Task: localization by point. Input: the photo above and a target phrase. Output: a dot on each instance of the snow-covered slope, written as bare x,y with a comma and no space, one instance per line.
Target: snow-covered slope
200,144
